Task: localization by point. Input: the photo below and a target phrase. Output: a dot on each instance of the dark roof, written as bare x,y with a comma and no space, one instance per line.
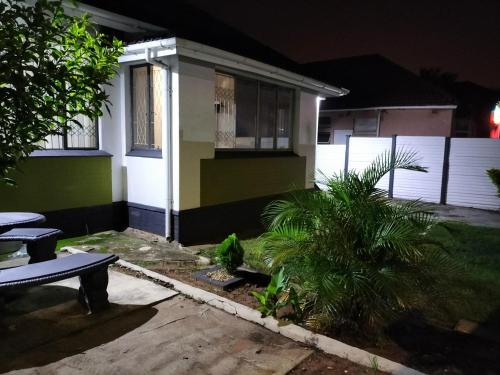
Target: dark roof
374,81
188,22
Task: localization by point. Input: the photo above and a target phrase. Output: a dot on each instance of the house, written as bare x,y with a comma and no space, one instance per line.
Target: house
203,133
384,99
475,104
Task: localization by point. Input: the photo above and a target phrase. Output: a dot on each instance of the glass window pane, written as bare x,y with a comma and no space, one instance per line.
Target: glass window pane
284,125
365,127
84,136
246,113
267,115
140,106
156,107
225,111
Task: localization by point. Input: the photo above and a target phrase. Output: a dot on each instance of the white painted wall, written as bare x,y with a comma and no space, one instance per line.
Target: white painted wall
418,185
146,182
194,128
469,185
305,132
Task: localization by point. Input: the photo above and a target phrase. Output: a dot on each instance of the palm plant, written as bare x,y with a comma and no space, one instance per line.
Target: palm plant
354,256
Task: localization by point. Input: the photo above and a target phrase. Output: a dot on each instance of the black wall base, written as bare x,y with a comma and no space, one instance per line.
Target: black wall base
81,221
146,218
214,223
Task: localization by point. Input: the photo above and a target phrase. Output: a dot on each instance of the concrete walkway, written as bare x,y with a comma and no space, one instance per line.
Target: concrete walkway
148,329
472,216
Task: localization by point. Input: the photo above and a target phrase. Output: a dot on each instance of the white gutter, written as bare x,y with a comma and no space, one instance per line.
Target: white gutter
393,108
182,47
110,19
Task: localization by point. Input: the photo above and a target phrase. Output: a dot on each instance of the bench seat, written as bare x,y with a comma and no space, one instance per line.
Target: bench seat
40,242
91,268
29,234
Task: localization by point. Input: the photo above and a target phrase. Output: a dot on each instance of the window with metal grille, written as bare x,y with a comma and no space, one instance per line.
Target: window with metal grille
146,104
84,137
252,115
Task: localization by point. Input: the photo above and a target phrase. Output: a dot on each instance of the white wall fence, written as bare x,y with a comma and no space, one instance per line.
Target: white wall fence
456,167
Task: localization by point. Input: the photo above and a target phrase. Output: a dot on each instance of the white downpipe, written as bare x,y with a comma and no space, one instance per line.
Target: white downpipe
167,136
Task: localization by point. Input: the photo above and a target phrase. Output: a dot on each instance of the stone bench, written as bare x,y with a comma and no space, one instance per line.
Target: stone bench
40,242
91,268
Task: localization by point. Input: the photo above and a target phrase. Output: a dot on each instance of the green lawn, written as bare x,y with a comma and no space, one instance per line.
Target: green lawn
475,292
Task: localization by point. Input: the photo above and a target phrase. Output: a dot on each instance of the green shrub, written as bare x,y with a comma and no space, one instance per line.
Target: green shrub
229,253
495,178
355,257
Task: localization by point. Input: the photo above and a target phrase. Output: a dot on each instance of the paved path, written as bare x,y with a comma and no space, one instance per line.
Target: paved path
47,333
472,216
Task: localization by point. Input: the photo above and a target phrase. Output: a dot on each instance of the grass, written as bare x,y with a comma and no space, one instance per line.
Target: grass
475,292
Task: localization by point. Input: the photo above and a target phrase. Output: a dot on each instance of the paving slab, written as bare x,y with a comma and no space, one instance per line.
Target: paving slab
175,336
44,313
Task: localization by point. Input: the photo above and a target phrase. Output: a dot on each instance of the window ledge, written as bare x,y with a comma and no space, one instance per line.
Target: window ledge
69,153
236,154
155,154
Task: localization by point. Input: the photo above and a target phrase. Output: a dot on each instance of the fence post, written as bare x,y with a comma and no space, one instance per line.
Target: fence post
393,161
446,170
346,159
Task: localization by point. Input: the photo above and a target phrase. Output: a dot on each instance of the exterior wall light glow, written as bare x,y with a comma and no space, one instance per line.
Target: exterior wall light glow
495,122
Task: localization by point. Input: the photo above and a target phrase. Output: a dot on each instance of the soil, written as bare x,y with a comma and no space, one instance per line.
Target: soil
240,294
324,364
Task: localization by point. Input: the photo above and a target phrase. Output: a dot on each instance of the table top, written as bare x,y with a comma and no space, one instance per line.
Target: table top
17,219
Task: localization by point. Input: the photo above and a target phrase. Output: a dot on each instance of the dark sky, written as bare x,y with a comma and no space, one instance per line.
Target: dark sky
459,36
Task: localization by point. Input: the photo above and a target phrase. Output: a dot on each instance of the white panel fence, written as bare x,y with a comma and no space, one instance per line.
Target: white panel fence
456,167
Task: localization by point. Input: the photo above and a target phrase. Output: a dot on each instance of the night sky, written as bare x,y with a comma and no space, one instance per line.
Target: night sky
459,36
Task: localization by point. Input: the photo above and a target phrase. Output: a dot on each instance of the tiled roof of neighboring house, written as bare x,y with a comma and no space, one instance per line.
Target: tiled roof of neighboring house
188,22
375,81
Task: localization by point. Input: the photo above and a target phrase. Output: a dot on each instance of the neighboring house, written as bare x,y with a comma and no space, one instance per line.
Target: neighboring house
199,140
475,104
384,99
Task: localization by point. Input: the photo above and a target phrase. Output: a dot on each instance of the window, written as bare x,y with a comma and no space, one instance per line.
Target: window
75,138
146,104
252,115
365,127
324,129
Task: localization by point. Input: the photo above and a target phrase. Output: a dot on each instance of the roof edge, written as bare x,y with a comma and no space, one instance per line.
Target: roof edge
188,48
451,106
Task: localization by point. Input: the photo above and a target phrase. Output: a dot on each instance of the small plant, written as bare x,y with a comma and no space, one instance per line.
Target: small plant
276,297
495,178
374,364
229,253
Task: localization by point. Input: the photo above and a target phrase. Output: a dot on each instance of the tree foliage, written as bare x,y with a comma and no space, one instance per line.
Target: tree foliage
53,67
353,256
494,175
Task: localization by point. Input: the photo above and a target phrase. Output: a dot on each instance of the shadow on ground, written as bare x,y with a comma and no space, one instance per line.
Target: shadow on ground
443,351
50,314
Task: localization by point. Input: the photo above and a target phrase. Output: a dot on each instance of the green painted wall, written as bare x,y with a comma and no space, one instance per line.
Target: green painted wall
229,180
56,183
